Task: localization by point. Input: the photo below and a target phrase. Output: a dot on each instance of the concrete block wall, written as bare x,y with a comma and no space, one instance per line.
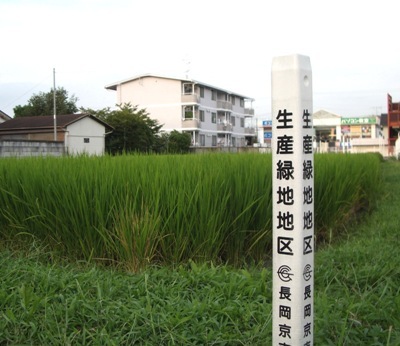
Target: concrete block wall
21,148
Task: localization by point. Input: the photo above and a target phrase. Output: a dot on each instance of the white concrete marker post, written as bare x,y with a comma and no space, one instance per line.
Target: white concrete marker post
293,201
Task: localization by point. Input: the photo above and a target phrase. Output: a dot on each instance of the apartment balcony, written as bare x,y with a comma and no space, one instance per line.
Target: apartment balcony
191,123
249,111
224,127
224,105
250,130
190,98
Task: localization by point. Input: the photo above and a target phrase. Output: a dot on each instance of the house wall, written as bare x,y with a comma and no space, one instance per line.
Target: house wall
85,136
159,96
206,101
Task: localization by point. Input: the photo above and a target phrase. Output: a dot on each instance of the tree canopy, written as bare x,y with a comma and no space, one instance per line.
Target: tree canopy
134,130
43,104
178,142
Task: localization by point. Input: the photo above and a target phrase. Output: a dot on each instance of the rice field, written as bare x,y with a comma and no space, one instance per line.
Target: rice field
137,210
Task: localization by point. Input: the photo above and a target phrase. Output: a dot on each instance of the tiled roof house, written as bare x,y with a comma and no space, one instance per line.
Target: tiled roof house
80,133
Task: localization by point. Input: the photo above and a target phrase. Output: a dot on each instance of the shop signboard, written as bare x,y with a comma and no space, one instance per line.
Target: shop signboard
346,129
358,121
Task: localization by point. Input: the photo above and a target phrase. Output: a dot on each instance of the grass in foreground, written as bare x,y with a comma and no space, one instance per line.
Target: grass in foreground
63,305
357,290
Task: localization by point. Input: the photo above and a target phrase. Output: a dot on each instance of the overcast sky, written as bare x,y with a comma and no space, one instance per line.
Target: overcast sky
353,47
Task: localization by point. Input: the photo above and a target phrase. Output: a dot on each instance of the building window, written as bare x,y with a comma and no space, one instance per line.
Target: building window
366,131
86,140
234,141
213,95
214,118
201,91
201,115
188,88
233,121
233,100
202,140
241,122
241,102
214,141
188,112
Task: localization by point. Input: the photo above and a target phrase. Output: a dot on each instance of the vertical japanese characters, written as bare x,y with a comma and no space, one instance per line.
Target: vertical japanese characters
293,208
290,230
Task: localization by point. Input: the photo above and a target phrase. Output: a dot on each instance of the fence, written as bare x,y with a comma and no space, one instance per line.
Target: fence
21,148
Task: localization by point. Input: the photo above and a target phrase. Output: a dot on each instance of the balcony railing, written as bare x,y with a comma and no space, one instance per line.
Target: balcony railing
190,98
226,128
249,111
250,130
224,105
191,123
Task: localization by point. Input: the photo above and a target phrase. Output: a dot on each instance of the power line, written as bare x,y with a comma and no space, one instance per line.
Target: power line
21,96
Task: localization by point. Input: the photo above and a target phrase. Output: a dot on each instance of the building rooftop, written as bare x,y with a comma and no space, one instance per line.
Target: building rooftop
44,122
323,114
4,116
114,86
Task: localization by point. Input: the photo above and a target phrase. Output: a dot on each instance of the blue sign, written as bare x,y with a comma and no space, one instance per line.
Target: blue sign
267,123
267,135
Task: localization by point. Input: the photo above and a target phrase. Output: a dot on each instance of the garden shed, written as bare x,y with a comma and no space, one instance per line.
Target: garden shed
78,134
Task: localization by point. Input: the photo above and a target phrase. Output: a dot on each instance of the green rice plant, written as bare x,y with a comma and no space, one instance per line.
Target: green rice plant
171,208
220,206
250,207
344,185
134,236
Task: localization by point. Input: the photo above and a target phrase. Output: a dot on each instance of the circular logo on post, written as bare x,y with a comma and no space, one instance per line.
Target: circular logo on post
284,273
307,272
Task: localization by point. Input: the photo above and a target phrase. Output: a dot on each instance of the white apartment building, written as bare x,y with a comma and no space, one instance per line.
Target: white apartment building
213,116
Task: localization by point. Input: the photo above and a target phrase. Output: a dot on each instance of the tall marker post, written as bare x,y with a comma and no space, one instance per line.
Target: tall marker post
54,105
293,201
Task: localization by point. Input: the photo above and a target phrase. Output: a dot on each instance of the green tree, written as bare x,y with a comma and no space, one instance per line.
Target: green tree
174,142
43,104
101,114
161,143
134,130
179,142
